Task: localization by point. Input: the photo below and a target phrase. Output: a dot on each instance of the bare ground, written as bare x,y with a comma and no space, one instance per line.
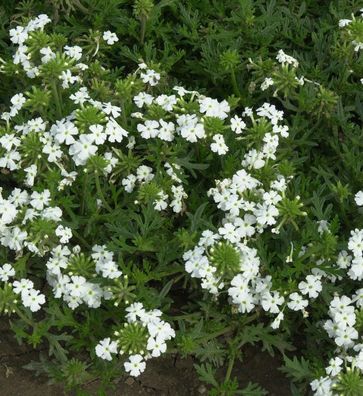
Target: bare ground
164,377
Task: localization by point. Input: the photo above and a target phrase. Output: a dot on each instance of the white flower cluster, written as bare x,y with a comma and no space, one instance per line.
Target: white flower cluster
286,59
158,332
343,318
244,219
354,261
188,126
30,297
74,289
19,211
348,23
109,37
143,175
19,36
64,137
341,328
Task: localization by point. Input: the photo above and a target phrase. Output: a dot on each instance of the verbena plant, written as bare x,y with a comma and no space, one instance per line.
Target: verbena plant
140,218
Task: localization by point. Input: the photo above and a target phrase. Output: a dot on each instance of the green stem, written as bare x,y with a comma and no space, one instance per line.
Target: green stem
185,316
81,239
100,193
56,98
217,333
123,114
172,272
229,368
84,189
234,83
23,317
143,20
80,6
229,372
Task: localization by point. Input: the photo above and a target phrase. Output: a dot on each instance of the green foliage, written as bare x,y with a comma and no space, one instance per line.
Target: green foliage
226,49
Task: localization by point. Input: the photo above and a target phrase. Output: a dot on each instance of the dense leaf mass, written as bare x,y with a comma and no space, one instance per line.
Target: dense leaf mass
184,177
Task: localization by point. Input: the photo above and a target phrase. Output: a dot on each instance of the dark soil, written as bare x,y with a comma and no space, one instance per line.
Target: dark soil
163,377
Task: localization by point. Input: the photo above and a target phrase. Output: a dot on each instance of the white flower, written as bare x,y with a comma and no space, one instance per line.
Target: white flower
323,226
8,211
135,366
105,348
276,323
359,198
267,82
114,131
208,238
82,149
166,131
270,301
219,146
253,159
23,286
47,53
64,132
157,346
237,125
129,183
161,202
229,232
33,300
312,286
344,22
40,200
149,129
144,173
143,98
6,272
166,102
8,141
269,111
80,96
189,127
74,52
355,243
53,150
266,214
10,160
135,310
296,302
31,172
13,238
110,38
322,386
97,134
110,109
77,286
212,108
18,35
54,213
344,337
67,78
245,225
283,58
109,269
334,366
150,77
161,329
18,101
65,233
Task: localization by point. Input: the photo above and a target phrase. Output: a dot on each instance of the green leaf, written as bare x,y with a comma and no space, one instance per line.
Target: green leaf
297,369
206,374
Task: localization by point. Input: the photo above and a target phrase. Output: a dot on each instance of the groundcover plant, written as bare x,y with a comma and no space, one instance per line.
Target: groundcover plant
140,217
